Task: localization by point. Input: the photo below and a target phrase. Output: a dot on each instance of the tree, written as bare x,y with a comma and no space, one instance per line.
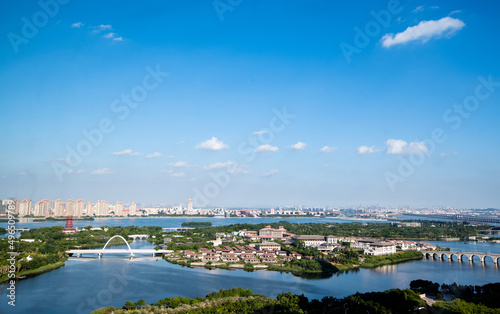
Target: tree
129,305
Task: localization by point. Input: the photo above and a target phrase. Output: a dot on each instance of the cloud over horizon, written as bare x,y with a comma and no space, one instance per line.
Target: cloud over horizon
298,146
266,148
328,149
400,147
212,144
270,173
101,171
126,152
362,150
424,31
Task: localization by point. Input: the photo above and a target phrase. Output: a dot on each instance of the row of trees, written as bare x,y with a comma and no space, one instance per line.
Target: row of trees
428,231
238,300
483,299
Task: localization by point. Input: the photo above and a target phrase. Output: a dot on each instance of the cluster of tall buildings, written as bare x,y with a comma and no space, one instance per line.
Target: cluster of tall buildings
57,208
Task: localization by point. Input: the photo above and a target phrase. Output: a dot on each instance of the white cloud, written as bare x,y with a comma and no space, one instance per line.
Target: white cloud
420,8
366,150
270,173
448,154
118,39
171,173
180,164
77,25
22,173
153,155
455,12
425,30
178,174
328,149
212,144
399,147
260,132
298,146
180,142
238,169
230,166
126,152
266,148
219,165
81,171
104,27
110,35
101,171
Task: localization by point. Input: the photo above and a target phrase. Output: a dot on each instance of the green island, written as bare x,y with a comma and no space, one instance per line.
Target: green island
313,263
196,224
422,295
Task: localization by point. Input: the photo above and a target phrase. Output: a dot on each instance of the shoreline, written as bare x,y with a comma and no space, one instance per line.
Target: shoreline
294,271
33,272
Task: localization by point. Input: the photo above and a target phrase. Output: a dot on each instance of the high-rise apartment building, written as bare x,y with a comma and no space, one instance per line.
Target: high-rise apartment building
102,208
70,208
133,208
25,207
79,207
58,208
42,208
89,209
119,209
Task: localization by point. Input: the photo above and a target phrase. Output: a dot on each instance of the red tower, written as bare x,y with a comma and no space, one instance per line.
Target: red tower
68,229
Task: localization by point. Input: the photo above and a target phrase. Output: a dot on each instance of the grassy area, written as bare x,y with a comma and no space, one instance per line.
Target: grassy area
34,272
375,261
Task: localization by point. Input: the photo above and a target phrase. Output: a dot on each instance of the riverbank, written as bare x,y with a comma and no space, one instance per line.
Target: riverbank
33,272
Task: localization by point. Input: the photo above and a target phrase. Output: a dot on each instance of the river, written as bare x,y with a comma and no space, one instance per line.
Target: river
85,284
172,222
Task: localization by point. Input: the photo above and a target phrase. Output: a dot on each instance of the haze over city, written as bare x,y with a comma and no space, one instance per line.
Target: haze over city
267,104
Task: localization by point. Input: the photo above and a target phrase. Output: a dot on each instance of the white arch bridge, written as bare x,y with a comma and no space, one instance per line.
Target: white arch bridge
128,250
460,255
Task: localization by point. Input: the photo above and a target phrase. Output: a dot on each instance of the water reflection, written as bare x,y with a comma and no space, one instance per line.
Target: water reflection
386,269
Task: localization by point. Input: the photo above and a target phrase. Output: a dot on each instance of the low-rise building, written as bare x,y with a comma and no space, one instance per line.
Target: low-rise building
229,258
210,257
380,248
269,259
310,240
286,258
268,246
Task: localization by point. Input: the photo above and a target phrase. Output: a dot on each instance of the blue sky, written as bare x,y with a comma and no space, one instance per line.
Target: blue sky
363,116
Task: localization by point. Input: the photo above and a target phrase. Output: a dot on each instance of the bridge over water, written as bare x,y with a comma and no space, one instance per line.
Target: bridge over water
139,236
130,251
460,255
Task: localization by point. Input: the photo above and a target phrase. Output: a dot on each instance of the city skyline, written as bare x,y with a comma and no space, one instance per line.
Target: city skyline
263,105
